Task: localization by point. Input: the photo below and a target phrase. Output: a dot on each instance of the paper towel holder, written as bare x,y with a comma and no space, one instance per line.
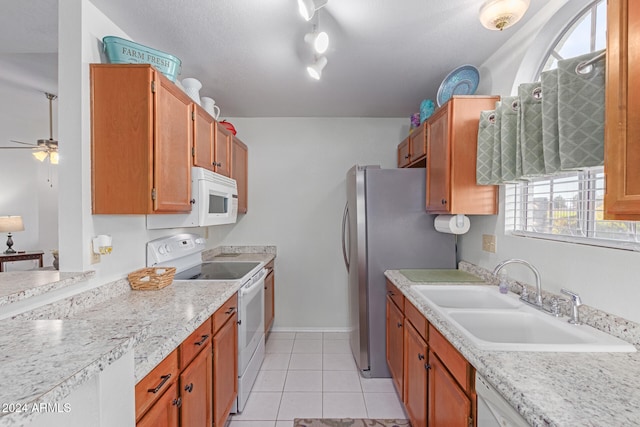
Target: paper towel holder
452,224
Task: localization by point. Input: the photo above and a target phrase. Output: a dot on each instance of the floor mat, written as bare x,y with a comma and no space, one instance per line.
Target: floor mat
349,422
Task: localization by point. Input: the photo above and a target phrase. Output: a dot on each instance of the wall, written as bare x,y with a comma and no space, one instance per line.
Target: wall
29,187
297,193
604,278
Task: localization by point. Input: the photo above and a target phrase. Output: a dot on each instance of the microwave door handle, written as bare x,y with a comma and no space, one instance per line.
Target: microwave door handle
345,218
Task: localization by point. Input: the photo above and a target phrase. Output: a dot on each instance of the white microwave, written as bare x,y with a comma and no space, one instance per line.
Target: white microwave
214,199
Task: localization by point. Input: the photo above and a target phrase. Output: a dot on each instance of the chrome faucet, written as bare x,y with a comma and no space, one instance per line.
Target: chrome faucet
538,301
575,303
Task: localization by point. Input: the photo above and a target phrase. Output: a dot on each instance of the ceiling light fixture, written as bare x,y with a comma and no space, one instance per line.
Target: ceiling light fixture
315,70
307,8
319,41
501,14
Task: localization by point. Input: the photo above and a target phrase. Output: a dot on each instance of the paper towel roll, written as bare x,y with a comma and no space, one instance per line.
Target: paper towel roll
453,224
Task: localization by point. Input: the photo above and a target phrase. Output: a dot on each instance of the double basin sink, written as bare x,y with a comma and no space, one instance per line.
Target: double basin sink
501,322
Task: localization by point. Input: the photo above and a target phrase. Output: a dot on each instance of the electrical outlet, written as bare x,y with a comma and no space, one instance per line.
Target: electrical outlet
489,243
95,258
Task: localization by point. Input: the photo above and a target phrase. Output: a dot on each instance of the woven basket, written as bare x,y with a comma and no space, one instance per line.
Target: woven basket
150,279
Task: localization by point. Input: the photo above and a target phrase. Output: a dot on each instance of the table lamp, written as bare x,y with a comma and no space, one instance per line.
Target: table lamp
9,224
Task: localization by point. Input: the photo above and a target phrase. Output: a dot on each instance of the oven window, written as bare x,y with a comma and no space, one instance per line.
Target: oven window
218,204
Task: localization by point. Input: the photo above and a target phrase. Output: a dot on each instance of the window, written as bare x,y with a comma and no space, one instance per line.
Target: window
569,207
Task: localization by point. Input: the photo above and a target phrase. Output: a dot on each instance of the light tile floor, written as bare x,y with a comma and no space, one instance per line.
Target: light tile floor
313,375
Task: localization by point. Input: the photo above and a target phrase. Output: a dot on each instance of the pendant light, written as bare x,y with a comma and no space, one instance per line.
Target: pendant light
307,8
319,41
315,70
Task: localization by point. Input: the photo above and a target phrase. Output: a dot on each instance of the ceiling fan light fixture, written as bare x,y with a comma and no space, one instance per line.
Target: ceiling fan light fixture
307,8
53,157
40,155
315,70
319,41
500,14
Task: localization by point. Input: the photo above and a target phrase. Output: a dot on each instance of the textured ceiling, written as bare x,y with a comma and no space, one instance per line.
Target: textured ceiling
384,58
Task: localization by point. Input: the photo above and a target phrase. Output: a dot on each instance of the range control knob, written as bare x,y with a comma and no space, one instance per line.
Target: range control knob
200,241
162,249
167,248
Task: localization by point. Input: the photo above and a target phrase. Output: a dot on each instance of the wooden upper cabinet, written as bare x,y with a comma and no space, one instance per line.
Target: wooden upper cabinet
203,138
622,111
240,171
452,138
222,151
141,138
412,151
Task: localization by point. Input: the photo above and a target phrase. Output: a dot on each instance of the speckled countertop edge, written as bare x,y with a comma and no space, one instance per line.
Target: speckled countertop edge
548,389
29,383
19,285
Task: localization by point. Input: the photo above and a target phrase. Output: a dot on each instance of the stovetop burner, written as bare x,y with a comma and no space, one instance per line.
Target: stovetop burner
217,271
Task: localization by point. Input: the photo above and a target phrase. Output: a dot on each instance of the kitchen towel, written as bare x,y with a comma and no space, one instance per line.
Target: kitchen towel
496,163
508,113
581,111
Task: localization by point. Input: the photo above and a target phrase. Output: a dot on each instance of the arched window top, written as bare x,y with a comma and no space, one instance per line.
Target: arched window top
585,33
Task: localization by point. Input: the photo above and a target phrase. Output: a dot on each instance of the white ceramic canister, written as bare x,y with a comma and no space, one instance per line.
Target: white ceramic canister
192,88
210,106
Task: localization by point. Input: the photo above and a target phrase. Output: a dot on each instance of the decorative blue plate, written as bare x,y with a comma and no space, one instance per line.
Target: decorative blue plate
461,81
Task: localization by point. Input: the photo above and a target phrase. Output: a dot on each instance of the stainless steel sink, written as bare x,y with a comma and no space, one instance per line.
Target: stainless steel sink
494,321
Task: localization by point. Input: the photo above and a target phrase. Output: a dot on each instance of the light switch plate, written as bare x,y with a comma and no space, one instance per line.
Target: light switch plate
489,243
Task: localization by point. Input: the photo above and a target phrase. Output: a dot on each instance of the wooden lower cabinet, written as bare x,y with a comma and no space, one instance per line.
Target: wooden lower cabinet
197,384
435,382
395,345
449,406
225,370
415,376
196,391
164,413
269,298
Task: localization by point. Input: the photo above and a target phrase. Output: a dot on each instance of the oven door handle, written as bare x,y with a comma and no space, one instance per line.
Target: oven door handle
249,291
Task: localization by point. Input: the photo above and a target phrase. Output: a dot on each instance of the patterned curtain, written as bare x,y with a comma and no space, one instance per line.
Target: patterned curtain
552,126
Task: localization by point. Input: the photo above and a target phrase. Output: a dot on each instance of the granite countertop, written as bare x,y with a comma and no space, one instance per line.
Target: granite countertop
549,389
173,312
53,357
36,363
19,285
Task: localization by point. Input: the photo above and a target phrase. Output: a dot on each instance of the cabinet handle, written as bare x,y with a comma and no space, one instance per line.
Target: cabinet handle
177,402
406,156
420,356
444,201
189,388
164,379
231,310
427,366
203,340
399,324
192,201
390,293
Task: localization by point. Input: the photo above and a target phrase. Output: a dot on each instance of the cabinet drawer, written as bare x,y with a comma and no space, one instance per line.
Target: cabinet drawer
151,387
455,363
395,295
416,318
225,312
195,342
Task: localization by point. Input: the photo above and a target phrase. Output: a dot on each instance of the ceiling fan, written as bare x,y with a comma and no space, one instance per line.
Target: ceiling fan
45,148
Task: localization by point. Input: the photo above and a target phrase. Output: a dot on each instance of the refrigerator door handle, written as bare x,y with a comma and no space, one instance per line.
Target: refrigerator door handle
345,218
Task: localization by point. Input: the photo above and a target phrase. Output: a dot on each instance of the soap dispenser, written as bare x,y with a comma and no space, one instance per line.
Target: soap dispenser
503,286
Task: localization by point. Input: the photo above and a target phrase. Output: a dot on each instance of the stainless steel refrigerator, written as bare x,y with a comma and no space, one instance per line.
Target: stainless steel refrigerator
385,227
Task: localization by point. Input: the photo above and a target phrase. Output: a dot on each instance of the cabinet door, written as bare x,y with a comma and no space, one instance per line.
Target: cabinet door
438,161
164,413
404,153
269,300
172,148
225,370
622,113
240,171
415,376
418,143
222,150
196,391
448,405
203,138
395,346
